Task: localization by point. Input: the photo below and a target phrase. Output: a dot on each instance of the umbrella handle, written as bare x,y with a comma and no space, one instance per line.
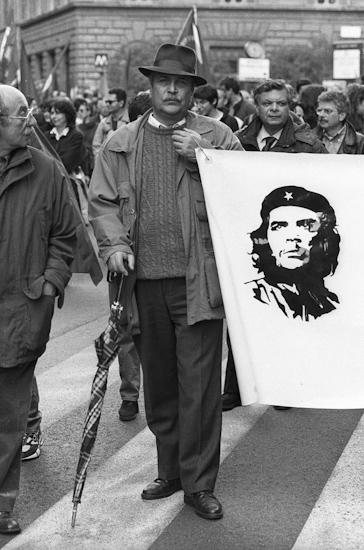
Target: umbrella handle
120,289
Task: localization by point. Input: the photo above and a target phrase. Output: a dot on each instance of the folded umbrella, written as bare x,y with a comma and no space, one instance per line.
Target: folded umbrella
107,347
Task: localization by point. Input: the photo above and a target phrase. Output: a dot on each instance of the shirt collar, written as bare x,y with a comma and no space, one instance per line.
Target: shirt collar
262,134
154,122
336,136
58,135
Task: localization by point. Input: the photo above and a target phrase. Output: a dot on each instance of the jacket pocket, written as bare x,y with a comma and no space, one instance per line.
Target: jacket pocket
212,280
38,321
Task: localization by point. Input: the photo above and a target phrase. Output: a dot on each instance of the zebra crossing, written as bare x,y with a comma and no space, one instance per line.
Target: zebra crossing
288,480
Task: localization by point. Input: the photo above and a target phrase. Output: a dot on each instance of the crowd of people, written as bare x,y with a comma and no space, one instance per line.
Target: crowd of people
134,175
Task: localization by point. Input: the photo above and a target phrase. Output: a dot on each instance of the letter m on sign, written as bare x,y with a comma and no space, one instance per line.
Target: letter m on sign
101,60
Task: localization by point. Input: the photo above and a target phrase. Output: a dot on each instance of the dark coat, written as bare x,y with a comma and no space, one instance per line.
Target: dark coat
70,148
353,143
295,138
88,130
85,260
243,108
37,242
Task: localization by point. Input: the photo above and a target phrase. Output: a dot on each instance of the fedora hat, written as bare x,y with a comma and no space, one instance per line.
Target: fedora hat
175,60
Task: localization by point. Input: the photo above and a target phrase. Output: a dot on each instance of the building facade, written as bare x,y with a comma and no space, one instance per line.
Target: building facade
92,39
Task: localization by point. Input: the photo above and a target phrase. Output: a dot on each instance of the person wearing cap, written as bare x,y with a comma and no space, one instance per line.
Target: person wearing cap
295,248
272,128
333,129
148,212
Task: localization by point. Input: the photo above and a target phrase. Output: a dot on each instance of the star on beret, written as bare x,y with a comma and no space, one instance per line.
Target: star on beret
288,196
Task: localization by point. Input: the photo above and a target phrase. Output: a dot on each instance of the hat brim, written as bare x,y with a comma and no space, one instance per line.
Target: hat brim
198,80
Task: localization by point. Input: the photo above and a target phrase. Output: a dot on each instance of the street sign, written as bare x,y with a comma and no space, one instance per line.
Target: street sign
346,63
253,69
101,60
350,32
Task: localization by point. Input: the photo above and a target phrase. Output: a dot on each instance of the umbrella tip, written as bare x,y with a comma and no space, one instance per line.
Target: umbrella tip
74,513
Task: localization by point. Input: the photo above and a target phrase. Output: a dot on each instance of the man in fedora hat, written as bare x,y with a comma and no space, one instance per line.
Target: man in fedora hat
148,212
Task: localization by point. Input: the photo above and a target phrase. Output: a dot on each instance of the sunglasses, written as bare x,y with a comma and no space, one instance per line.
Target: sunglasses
110,102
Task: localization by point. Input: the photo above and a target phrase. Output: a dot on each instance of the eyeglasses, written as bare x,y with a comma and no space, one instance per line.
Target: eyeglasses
110,102
25,117
320,111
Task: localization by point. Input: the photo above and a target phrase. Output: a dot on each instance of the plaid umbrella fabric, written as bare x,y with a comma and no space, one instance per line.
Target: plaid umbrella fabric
107,347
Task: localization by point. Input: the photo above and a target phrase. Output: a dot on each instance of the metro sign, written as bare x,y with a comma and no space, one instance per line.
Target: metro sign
101,60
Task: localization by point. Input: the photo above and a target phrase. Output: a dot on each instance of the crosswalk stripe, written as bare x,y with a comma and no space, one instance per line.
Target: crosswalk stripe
337,520
68,384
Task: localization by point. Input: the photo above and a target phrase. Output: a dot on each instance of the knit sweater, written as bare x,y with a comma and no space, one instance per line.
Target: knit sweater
161,251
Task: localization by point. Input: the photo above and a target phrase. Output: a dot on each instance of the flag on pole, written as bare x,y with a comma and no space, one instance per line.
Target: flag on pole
49,81
190,36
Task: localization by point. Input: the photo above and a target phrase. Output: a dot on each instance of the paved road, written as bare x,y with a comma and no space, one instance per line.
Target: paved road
288,480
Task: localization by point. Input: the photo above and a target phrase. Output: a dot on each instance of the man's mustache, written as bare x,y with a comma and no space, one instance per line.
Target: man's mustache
172,98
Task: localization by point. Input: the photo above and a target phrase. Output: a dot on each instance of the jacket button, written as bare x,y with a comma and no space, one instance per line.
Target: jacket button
131,211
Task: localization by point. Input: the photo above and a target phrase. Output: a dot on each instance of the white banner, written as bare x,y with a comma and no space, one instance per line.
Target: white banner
294,304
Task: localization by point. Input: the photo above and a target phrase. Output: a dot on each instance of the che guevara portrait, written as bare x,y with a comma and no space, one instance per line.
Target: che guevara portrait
295,250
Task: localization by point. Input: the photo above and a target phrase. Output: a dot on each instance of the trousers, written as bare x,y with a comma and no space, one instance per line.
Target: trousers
182,383
231,381
129,369
15,388
35,416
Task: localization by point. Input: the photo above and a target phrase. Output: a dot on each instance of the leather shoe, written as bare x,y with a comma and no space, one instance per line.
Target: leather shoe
8,524
279,408
161,488
205,504
128,410
230,401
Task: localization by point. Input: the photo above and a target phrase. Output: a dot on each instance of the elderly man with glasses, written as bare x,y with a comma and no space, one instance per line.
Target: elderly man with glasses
118,117
38,238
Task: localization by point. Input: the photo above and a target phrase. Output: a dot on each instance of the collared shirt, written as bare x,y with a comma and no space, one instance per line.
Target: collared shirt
262,134
333,143
154,122
58,135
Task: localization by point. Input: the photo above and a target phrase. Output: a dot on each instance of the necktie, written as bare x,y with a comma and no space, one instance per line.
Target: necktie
268,143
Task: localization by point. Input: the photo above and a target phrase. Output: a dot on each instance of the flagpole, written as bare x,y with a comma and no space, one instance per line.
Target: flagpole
195,14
